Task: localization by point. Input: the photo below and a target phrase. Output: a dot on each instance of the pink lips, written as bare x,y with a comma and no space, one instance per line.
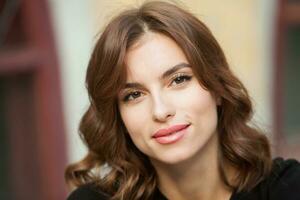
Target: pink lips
171,134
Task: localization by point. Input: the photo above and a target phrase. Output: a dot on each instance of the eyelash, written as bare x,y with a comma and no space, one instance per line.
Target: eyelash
178,77
181,77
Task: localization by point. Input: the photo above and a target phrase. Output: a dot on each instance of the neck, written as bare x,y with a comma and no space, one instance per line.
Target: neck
196,178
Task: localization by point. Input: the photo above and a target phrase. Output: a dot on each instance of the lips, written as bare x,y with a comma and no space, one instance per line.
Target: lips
171,134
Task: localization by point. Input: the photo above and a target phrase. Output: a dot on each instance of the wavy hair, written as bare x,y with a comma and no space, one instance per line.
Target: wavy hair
131,175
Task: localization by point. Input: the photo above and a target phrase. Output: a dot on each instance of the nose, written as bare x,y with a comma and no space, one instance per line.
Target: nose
162,109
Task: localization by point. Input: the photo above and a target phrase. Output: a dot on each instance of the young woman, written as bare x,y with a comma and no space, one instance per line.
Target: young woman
169,120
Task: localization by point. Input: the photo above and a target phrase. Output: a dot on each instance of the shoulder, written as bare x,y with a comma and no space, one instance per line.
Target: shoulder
88,192
282,183
285,178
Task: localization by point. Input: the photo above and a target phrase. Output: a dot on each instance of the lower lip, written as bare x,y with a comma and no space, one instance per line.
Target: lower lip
172,138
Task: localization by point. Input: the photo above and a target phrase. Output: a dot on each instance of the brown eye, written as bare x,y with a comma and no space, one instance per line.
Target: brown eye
132,95
180,79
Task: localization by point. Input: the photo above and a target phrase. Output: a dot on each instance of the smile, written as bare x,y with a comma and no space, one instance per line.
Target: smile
170,135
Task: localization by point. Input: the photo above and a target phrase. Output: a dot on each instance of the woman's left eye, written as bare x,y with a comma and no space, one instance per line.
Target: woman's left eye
180,79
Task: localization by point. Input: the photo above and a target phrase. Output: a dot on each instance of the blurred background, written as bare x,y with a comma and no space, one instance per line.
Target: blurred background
44,49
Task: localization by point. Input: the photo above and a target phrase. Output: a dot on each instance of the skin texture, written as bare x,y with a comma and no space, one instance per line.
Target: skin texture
153,102
160,103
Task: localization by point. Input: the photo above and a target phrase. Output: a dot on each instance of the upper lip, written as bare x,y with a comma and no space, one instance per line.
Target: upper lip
166,131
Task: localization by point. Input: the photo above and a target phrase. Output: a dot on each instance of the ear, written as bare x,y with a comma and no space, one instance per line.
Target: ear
219,100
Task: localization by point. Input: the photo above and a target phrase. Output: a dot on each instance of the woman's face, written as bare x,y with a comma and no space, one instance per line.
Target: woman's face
169,116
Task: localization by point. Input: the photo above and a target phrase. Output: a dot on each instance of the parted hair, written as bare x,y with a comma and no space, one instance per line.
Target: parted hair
130,174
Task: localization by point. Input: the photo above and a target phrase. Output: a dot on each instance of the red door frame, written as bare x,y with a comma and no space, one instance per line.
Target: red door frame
38,57
287,14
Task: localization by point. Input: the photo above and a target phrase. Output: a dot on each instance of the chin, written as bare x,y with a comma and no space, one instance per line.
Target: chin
174,158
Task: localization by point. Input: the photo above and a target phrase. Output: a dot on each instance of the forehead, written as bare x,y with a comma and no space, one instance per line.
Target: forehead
152,55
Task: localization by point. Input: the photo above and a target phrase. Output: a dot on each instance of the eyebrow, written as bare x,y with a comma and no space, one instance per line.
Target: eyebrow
163,76
174,69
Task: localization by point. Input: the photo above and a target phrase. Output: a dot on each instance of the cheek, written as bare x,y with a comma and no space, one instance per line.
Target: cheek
195,97
199,104
134,119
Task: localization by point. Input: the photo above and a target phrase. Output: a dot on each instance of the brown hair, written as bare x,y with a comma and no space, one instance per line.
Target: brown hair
131,175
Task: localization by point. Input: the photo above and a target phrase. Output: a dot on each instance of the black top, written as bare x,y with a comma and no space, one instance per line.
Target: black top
283,183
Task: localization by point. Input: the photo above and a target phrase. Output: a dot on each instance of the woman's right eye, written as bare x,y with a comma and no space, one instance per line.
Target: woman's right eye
132,96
